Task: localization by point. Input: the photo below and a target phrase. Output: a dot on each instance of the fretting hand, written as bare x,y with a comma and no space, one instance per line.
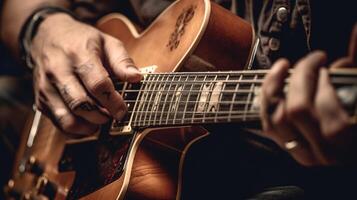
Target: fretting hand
72,82
309,121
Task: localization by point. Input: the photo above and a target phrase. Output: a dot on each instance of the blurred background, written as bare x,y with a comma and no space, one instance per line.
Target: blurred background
15,90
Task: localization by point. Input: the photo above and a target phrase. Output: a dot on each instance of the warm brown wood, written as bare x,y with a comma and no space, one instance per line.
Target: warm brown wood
155,159
227,41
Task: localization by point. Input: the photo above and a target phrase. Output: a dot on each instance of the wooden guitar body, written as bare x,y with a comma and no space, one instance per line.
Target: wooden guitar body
144,164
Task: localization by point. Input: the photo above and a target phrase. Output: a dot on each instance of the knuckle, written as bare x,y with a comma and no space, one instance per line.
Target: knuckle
51,75
119,43
84,68
39,105
72,53
100,85
74,103
67,122
334,130
42,88
93,43
279,119
123,61
297,110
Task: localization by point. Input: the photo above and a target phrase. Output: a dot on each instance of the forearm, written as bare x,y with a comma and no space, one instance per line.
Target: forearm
14,15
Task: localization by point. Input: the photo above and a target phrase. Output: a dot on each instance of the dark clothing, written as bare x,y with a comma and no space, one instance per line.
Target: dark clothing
230,165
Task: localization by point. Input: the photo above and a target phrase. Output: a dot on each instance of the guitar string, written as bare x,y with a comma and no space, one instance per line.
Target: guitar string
198,120
194,112
238,73
219,102
243,91
167,93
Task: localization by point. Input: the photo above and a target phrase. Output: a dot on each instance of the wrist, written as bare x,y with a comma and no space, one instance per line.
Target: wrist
33,24
55,19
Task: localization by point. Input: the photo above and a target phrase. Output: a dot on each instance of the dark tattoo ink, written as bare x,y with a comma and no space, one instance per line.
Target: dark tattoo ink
86,106
84,68
65,94
107,94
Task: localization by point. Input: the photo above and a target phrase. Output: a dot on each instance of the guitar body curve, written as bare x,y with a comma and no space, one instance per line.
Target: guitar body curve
148,164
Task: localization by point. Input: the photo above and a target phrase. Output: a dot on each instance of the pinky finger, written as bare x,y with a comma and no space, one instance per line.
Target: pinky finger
51,104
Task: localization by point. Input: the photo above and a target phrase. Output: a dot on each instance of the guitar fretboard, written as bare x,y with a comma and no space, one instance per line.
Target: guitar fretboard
171,99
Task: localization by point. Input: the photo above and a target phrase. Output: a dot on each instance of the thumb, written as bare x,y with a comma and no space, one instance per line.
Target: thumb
119,61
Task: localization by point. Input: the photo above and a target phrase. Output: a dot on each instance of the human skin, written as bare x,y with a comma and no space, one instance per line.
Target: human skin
74,63
310,111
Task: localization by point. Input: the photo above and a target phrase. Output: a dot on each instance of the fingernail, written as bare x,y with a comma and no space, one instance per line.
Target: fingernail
134,73
132,69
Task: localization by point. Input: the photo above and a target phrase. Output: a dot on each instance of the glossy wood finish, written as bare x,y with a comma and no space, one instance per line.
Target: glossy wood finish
155,158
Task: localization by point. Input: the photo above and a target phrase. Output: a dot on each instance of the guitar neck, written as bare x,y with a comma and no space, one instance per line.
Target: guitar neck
186,98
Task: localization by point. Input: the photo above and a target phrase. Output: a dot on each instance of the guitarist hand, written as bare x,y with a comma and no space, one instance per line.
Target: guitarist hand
71,77
308,121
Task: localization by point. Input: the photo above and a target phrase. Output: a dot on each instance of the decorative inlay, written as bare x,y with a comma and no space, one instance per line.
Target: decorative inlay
184,18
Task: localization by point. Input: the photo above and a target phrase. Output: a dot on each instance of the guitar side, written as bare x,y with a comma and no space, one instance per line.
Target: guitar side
198,28
148,164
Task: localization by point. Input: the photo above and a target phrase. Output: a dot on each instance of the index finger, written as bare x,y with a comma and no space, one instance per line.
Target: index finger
352,51
97,82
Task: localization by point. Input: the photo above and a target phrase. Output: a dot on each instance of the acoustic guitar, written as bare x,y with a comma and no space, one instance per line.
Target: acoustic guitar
142,156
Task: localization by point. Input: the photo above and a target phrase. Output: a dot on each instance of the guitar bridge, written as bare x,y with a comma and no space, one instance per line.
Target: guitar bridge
118,128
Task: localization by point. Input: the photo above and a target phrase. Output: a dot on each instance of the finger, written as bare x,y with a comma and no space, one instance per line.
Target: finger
77,100
333,119
96,80
352,51
52,104
300,97
272,90
304,80
345,62
119,61
275,124
73,93
285,132
351,59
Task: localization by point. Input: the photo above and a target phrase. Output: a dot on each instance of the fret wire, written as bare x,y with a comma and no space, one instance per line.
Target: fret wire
229,81
253,72
179,100
209,119
221,96
159,98
142,102
145,101
234,95
190,112
198,96
187,100
136,104
260,81
170,105
246,72
164,104
223,102
213,73
150,105
123,91
249,96
210,92
228,91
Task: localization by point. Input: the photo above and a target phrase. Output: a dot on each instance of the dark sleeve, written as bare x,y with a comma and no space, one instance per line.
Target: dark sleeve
147,10
331,26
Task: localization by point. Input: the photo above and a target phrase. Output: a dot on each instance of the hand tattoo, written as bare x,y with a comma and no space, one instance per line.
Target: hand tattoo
107,94
84,68
86,106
